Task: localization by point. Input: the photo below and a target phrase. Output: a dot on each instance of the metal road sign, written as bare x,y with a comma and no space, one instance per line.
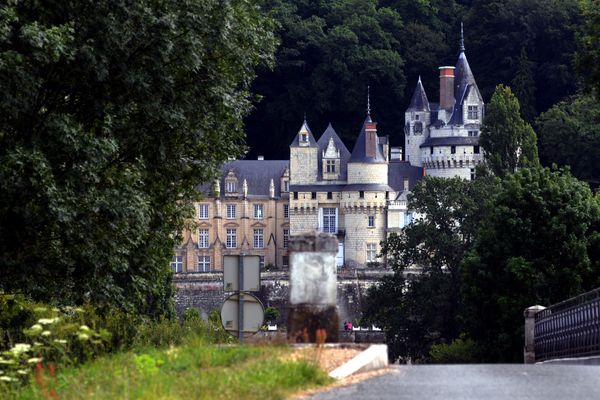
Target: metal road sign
231,273
253,313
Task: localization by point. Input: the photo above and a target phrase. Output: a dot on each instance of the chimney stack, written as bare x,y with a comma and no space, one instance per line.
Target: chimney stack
371,139
446,88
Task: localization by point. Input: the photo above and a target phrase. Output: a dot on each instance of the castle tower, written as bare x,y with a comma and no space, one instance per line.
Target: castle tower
416,129
452,146
304,157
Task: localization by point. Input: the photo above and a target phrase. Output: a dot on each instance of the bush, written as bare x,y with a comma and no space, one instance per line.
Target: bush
460,351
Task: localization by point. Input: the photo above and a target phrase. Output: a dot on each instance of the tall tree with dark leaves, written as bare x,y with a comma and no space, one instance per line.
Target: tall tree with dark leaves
111,113
588,54
508,141
524,86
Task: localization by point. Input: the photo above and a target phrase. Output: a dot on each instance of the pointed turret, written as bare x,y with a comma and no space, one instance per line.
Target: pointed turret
464,83
304,138
304,157
333,155
419,101
367,148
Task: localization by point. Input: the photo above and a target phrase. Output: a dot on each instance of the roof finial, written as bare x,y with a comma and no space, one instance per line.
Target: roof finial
419,79
304,116
368,100
462,38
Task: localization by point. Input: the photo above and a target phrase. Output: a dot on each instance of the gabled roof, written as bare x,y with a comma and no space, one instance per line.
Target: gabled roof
359,153
340,146
419,101
257,173
304,129
399,170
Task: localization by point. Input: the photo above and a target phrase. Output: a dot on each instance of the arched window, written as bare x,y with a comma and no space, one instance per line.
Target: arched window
418,128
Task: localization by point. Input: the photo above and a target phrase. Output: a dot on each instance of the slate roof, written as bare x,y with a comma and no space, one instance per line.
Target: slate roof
311,139
419,101
258,175
451,141
464,81
359,154
344,153
398,170
333,187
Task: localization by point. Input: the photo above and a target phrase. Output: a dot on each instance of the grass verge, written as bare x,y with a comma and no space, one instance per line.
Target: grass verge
195,370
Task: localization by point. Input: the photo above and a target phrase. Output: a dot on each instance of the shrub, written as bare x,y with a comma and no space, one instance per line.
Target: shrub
461,350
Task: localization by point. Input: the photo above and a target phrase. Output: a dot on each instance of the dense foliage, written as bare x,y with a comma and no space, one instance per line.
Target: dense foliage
331,51
507,140
569,134
539,244
588,56
111,113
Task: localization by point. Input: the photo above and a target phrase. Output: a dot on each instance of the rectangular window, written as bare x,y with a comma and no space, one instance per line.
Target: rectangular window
285,261
203,238
330,166
230,186
259,238
231,211
453,149
329,220
472,174
286,186
295,195
371,221
177,263
431,150
261,262
472,112
286,238
231,238
371,252
286,211
203,211
473,133
258,211
203,263
329,195
476,149
313,195
361,194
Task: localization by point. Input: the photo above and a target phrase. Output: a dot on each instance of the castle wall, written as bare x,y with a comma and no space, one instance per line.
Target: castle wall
368,173
303,165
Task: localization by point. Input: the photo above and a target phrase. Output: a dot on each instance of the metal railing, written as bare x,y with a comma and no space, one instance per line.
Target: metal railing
569,329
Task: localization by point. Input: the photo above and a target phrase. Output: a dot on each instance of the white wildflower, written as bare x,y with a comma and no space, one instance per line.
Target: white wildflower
83,336
84,328
61,341
7,362
48,321
36,327
34,360
7,379
20,348
22,372
46,333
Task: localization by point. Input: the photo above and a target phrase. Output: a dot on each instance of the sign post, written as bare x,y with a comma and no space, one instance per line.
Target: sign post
241,274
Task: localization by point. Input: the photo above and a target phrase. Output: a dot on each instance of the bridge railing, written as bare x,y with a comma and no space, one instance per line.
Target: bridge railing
569,329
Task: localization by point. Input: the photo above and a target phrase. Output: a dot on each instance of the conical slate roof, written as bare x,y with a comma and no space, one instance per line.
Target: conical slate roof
330,133
359,153
464,82
419,101
304,129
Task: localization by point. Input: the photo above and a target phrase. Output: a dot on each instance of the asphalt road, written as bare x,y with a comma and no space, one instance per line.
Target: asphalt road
476,382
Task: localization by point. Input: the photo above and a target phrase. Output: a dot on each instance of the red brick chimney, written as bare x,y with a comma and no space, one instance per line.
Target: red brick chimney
371,139
446,88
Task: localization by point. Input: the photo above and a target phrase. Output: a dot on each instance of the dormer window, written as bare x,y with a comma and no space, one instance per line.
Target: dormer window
472,112
286,186
417,117
231,186
304,137
330,164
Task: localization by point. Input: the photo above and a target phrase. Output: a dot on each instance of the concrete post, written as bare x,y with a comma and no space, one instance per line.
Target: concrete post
313,287
529,348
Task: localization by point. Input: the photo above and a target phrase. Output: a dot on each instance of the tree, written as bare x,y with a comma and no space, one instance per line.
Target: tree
111,113
538,244
588,55
570,135
423,310
508,141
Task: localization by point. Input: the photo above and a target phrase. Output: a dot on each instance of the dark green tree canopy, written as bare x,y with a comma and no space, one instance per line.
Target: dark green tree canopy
570,135
538,244
508,141
588,54
111,113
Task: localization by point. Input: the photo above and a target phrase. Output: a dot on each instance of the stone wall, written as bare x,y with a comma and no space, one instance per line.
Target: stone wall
204,291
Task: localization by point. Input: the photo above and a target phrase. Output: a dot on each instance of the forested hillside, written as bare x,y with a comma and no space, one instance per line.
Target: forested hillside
331,50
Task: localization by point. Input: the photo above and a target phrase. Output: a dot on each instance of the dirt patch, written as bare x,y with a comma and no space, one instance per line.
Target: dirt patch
328,358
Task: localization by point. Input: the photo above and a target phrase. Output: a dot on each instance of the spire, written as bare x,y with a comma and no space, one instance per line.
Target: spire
368,100
462,38
419,101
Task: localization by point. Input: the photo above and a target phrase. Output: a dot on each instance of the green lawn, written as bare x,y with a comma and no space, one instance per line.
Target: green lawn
196,370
